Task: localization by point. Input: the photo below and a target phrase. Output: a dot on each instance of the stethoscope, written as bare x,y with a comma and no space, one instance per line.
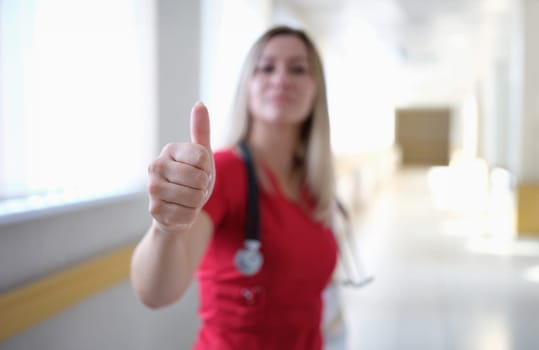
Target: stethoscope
249,259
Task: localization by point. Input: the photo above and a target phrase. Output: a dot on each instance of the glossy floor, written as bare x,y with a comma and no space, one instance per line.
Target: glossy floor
449,273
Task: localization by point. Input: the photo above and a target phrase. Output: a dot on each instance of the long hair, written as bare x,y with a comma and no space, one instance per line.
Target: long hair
314,145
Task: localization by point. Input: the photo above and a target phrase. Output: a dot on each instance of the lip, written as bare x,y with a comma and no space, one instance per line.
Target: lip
280,99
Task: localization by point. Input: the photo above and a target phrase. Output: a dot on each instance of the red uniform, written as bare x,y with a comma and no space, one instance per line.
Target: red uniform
280,307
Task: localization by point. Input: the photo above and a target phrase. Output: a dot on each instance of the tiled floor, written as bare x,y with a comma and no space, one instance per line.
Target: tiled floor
447,278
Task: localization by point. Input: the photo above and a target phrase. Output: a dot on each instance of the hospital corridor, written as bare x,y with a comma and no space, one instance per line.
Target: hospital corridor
428,113
444,277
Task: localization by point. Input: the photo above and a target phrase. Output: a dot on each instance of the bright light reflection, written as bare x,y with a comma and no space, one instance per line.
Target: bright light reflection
503,247
484,202
493,333
532,274
461,186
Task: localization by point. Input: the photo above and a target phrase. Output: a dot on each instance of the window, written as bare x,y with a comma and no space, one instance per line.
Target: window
228,30
76,100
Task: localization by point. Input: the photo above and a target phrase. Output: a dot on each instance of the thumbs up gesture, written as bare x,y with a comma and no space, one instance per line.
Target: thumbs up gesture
181,178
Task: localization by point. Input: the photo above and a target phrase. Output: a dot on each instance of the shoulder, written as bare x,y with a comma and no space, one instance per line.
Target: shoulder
229,189
228,164
227,158
229,169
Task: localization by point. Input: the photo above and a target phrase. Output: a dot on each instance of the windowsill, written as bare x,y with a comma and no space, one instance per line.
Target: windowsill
35,207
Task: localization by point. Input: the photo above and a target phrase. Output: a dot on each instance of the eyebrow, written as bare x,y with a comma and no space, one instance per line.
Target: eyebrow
292,59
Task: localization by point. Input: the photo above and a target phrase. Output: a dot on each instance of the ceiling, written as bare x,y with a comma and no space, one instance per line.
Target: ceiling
441,46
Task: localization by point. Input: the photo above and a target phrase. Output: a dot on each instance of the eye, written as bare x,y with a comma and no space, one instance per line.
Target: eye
297,70
265,68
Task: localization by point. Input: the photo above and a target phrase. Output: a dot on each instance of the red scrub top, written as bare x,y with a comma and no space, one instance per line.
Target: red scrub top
280,307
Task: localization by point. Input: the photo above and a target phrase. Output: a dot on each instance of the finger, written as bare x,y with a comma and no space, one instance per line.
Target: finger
200,125
191,154
186,175
185,197
170,214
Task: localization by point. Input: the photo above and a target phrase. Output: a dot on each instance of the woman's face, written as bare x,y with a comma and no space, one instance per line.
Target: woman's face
282,88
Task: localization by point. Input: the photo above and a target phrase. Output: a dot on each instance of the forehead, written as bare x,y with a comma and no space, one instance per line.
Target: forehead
285,46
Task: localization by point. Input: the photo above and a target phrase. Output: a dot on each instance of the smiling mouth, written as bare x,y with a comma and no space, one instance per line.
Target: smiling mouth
280,99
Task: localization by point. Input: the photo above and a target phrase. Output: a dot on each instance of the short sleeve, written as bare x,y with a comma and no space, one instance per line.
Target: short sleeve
227,200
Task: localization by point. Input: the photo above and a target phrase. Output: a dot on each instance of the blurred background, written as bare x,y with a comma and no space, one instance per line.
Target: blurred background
434,111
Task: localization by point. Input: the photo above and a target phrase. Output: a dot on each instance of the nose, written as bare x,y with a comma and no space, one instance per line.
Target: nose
280,77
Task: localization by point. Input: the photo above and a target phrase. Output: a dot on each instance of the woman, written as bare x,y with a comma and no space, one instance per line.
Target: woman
198,202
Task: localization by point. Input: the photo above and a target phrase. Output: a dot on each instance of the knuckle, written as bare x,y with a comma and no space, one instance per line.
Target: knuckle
200,156
168,148
201,198
201,179
197,198
157,166
156,208
154,188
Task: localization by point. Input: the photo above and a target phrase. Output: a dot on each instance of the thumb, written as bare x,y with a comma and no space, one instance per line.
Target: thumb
200,125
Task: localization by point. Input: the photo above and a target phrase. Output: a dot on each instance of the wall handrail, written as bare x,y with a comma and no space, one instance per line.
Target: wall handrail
30,304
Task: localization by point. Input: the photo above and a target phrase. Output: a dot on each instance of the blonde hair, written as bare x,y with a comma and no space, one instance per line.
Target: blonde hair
315,145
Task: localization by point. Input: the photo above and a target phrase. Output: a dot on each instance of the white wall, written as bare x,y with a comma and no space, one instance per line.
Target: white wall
29,249
228,30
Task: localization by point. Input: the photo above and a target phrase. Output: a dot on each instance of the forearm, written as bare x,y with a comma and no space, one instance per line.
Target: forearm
163,264
159,268
180,183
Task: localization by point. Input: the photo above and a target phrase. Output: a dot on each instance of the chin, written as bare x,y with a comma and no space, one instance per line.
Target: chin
284,115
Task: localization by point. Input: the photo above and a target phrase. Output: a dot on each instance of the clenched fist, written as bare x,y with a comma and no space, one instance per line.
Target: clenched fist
181,178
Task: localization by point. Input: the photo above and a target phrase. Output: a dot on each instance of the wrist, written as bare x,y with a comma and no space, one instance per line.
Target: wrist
162,231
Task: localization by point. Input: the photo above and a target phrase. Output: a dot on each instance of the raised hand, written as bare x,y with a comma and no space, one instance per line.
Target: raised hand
181,178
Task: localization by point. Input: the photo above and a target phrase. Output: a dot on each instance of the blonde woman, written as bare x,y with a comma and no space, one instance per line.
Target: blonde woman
261,292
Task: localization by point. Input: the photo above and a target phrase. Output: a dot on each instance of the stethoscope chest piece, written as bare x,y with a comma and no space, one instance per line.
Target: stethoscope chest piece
249,260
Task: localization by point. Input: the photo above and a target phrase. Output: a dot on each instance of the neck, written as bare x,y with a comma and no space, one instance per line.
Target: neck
274,145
